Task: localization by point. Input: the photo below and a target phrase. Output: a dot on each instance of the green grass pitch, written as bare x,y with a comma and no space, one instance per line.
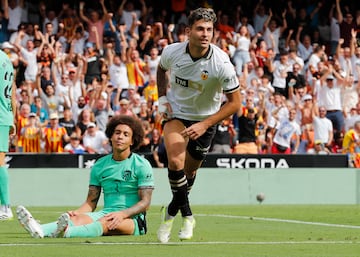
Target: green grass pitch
221,231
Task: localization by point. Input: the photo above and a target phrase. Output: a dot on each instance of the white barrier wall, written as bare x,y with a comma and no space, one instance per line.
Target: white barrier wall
213,186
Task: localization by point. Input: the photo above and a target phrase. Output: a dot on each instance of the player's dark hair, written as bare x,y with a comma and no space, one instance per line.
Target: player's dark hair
134,124
206,14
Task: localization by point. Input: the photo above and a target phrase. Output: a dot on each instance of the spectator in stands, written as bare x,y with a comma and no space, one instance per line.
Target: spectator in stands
45,52
152,61
295,80
275,110
78,107
76,78
95,140
15,10
242,42
323,128
127,12
124,212
224,137
92,65
41,112
136,70
135,103
334,28
24,93
118,76
9,50
101,108
78,41
246,137
22,121
50,20
145,146
273,32
67,122
330,97
223,25
351,142
306,109
95,23
304,45
347,23
144,113
74,146
32,135
150,92
122,107
259,16
280,69
62,88
149,38
28,56
159,154
284,132
155,142
316,57
86,117
52,102
351,117
319,148
336,147
46,77
54,135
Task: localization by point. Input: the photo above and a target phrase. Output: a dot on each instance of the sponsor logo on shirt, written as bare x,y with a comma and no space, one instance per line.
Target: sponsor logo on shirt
182,82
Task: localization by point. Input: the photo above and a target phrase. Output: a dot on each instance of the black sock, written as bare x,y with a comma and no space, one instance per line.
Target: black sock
178,185
186,210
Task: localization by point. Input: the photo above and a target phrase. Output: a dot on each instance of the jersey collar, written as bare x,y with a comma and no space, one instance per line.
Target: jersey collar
207,55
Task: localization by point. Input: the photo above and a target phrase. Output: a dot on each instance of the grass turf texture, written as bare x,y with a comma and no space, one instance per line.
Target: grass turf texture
245,230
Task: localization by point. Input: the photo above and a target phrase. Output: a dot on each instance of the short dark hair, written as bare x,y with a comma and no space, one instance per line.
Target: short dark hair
134,124
206,14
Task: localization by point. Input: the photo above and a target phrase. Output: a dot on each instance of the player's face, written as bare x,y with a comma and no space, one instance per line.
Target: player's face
201,33
121,139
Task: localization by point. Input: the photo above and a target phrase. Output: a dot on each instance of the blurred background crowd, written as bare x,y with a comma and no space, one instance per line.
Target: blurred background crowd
79,63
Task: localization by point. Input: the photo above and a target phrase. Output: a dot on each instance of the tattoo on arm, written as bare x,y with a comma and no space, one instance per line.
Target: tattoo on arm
145,194
94,194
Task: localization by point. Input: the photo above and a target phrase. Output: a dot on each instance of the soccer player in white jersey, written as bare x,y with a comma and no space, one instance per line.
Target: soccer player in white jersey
190,100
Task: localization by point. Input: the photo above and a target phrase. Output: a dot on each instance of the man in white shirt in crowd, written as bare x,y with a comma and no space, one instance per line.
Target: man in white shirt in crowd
95,140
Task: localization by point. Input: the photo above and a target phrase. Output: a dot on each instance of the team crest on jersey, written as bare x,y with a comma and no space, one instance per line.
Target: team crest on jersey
204,75
127,175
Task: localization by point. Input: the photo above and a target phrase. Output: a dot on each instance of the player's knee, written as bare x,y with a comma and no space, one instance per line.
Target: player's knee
175,163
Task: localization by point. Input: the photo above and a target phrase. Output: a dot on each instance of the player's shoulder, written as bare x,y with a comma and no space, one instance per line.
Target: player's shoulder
138,157
103,159
176,47
219,55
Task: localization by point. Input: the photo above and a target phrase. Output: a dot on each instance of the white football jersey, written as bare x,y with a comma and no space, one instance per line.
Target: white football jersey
197,86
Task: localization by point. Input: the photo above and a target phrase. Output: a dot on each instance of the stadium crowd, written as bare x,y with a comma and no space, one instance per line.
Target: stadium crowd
298,65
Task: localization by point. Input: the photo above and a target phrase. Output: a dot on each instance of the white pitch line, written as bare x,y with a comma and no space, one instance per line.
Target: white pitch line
268,219
190,243
281,220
